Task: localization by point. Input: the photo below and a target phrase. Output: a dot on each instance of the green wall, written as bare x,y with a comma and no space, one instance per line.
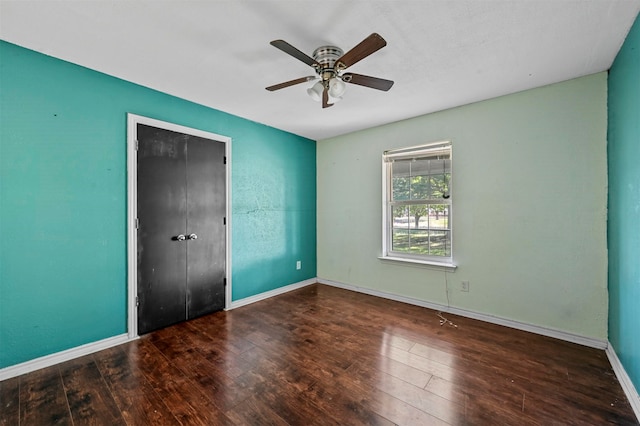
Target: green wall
63,199
529,215
624,204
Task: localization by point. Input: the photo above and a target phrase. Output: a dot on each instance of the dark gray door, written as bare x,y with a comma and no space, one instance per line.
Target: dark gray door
181,235
206,219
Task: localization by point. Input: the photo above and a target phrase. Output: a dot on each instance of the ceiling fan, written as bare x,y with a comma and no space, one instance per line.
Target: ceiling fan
329,63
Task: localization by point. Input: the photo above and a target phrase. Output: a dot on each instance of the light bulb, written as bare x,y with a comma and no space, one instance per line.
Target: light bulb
315,91
336,87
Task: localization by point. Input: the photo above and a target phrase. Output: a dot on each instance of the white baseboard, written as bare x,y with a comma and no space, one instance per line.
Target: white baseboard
58,357
549,332
271,293
624,379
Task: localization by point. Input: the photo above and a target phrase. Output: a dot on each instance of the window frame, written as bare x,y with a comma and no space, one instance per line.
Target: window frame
414,152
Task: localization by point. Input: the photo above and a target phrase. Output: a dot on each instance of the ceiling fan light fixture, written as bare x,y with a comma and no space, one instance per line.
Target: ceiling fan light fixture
315,91
336,88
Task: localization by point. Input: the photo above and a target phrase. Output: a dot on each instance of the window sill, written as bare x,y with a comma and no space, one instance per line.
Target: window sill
449,267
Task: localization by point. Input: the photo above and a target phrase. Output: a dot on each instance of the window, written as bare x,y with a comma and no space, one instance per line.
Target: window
417,204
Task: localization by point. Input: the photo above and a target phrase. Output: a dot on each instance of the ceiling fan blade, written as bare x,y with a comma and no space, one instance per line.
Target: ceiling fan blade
325,98
301,56
367,81
290,83
365,48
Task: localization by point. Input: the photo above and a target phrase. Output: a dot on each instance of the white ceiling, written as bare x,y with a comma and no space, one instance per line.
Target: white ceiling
440,53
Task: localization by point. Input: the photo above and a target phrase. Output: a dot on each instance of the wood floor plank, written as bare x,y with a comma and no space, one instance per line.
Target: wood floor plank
372,372
486,411
177,392
10,402
290,405
226,362
253,411
222,331
447,389
285,356
415,361
435,405
608,410
136,399
223,391
42,399
403,413
434,354
88,394
342,399
398,341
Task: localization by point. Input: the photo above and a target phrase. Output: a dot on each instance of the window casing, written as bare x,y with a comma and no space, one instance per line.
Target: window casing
417,204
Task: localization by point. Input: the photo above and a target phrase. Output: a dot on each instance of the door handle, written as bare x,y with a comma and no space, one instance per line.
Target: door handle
181,237
192,237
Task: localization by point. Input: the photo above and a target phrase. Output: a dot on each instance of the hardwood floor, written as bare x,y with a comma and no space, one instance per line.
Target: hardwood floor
325,356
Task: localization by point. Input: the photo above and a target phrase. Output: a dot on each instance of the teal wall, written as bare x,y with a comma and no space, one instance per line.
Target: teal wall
63,201
624,204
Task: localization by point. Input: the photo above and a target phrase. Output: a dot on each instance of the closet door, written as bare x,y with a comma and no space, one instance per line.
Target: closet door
205,226
162,246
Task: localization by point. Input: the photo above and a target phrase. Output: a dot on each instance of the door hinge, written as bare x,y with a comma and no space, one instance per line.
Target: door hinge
137,223
137,301
224,220
224,160
224,280
137,144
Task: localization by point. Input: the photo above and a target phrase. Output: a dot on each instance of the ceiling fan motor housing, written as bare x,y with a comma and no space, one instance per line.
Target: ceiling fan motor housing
327,56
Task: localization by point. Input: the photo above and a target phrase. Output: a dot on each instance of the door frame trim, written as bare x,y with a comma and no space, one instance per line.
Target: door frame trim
132,209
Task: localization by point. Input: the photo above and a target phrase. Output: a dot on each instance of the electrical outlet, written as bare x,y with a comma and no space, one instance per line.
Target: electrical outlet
299,264
464,286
